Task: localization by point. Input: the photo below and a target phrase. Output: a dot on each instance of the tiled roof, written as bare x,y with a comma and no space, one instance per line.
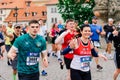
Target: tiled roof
22,9
12,4
52,2
22,17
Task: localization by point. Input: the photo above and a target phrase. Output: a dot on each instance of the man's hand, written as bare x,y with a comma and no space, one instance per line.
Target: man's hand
115,32
45,62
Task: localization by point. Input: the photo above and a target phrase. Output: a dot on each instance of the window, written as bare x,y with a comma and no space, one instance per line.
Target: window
1,11
55,20
28,3
52,10
55,10
0,18
27,14
15,14
4,3
52,20
34,13
44,13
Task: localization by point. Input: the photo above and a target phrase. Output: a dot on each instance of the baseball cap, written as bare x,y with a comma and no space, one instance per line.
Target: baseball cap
17,25
94,17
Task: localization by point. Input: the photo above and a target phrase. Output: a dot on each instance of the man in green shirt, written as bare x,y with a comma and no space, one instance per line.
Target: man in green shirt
28,48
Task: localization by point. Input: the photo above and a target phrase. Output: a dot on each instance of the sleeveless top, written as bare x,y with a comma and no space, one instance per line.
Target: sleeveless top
15,36
82,57
67,40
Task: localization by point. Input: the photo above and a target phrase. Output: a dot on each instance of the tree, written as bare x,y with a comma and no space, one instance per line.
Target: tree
79,10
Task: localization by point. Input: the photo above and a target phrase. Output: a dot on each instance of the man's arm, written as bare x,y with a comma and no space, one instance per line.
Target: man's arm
44,58
12,53
59,40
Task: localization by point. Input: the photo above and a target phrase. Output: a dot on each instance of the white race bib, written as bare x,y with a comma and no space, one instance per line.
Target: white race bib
96,44
85,62
32,58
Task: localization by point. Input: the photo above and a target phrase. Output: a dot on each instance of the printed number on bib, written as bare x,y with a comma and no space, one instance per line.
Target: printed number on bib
85,62
32,58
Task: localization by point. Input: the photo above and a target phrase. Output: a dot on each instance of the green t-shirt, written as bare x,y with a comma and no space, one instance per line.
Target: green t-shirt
29,53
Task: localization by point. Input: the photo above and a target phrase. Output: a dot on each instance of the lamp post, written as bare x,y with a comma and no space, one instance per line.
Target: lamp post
16,13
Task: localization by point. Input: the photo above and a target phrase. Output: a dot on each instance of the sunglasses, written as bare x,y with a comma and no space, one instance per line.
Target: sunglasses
18,27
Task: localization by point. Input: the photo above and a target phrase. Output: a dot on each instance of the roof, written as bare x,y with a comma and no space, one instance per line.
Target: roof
21,14
22,9
52,2
10,4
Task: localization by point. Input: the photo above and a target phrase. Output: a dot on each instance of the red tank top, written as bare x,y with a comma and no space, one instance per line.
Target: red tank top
67,40
83,50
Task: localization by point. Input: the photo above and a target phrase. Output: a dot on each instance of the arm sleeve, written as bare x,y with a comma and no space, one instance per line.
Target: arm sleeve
66,50
94,53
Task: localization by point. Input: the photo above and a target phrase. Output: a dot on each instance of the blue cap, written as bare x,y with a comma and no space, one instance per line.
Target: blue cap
94,17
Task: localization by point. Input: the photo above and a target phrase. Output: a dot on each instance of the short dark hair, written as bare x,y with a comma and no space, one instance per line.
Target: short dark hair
70,20
83,26
33,21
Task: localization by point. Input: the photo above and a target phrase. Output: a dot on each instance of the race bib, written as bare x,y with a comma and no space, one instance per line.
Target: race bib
96,44
32,58
85,62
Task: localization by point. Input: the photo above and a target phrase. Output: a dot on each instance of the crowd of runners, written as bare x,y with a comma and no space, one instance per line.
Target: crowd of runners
73,46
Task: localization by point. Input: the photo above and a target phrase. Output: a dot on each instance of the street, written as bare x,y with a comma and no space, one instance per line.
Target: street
55,73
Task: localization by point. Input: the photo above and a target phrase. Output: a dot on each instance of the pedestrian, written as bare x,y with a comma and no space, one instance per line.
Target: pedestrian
96,32
64,39
28,47
115,37
83,50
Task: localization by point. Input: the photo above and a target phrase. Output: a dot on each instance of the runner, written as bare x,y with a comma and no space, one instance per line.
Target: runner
13,36
43,33
64,39
2,43
96,32
109,28
7,39
115,36
54,33
28,47
83,51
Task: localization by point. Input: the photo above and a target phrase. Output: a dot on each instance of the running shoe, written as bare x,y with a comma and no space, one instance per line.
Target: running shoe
61,65
44,73
99,67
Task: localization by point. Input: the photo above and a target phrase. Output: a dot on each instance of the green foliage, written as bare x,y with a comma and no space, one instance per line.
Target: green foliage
79,10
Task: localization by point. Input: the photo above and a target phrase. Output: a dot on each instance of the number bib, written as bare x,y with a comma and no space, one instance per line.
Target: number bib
85,62
96,44
32,58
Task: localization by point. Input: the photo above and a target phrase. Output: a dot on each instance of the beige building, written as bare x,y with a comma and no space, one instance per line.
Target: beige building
52,11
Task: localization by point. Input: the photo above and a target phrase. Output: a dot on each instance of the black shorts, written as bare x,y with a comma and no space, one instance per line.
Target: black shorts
33,76
53,40
117,59
46,39
67,62
80,75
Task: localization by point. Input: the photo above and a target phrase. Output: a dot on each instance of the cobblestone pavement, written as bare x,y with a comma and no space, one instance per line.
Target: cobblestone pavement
55,73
